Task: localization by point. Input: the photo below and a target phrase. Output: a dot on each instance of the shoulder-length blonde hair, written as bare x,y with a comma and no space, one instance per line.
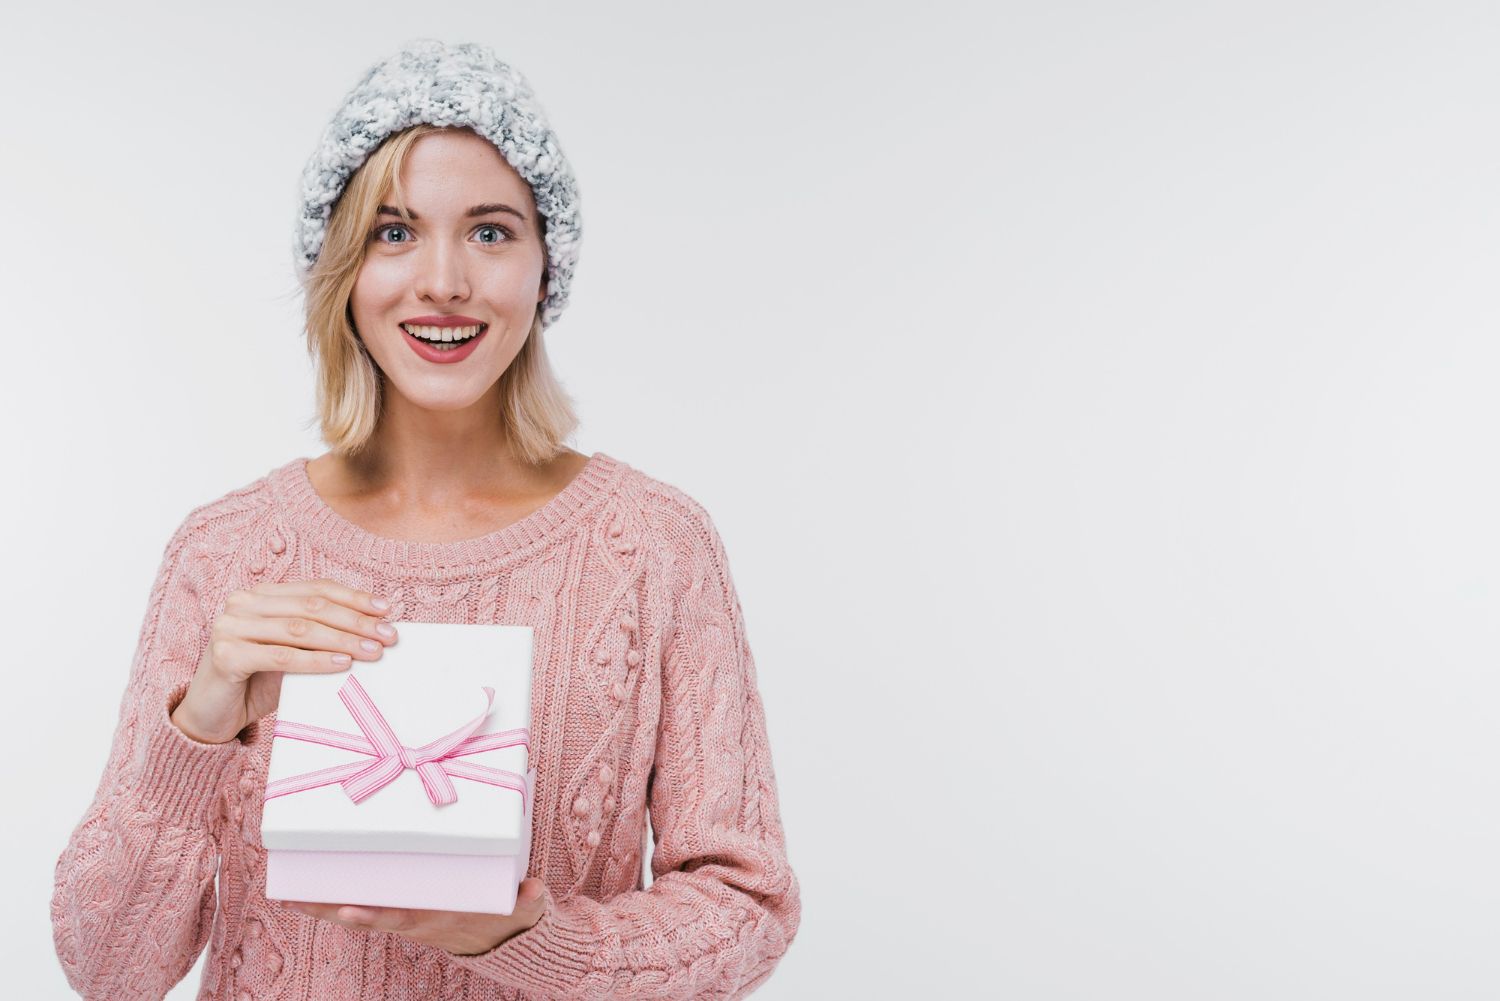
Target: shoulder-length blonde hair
536,412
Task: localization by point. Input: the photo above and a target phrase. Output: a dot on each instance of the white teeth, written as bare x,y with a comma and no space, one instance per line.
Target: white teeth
442,333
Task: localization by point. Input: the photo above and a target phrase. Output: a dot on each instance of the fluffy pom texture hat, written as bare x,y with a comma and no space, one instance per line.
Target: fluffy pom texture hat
448,85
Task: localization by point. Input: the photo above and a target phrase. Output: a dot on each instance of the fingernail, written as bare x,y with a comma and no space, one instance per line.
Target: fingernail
380,603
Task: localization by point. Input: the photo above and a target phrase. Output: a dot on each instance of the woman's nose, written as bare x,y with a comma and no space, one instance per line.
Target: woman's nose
440,274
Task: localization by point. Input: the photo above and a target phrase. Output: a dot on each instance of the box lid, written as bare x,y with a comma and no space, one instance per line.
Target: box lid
427,685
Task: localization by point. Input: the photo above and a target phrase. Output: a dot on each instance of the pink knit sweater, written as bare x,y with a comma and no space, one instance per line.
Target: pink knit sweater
644,699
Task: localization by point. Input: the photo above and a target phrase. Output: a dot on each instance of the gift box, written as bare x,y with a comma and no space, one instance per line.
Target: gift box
405,782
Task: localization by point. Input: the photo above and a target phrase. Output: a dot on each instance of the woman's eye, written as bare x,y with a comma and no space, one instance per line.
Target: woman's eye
388,227
501,230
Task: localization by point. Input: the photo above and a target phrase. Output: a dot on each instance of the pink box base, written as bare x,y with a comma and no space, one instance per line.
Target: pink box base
430,881
482,883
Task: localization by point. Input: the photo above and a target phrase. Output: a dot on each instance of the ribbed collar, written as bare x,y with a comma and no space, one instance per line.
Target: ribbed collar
310,517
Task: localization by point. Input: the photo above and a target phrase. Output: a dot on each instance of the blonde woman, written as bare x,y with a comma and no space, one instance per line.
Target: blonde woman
437,239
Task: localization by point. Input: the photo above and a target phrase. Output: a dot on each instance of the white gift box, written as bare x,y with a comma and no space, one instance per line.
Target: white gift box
441,821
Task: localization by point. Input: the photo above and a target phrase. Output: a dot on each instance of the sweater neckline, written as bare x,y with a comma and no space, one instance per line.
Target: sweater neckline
311,516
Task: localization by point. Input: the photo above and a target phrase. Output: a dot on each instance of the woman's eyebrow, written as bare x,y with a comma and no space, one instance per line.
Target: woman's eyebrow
488,208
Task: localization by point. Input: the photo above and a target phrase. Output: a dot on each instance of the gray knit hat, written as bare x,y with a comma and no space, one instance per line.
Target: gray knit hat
448,85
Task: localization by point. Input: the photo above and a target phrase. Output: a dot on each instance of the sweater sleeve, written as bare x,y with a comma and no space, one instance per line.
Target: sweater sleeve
133,892
724,903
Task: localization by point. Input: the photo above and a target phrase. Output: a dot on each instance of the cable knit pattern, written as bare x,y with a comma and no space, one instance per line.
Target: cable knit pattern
644,705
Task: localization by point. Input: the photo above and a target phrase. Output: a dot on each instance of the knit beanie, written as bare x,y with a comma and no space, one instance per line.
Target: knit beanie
447,85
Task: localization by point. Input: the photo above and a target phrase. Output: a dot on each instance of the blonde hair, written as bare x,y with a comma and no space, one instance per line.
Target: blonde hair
535,411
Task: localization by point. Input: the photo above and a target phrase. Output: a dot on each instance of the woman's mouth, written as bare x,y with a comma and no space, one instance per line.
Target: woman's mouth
443,344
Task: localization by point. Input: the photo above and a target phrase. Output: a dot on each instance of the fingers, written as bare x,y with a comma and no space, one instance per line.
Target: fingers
408,920
531,891
313,627
323,601
330,589
347,915
239,659
312,623
363,916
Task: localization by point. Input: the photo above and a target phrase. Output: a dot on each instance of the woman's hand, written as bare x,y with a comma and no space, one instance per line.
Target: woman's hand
462,933
302,626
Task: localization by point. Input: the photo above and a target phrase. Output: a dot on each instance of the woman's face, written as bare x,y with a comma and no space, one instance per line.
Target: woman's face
472,255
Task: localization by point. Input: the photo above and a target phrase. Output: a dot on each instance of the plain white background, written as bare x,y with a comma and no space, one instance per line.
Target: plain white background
1096,401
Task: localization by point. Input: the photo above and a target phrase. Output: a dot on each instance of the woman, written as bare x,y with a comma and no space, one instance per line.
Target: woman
437,241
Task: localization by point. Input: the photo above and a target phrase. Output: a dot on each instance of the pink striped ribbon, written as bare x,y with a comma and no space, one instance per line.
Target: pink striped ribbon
433,762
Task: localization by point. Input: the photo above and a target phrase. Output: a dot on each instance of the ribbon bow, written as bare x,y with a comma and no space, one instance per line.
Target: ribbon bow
433,762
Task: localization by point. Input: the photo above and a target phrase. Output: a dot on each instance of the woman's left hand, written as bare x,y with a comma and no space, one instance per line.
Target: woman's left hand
462,933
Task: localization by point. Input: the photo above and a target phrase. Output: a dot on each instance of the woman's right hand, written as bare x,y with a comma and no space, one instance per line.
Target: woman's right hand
302,626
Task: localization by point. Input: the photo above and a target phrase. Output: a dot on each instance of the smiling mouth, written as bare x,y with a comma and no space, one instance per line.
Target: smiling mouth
444,338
